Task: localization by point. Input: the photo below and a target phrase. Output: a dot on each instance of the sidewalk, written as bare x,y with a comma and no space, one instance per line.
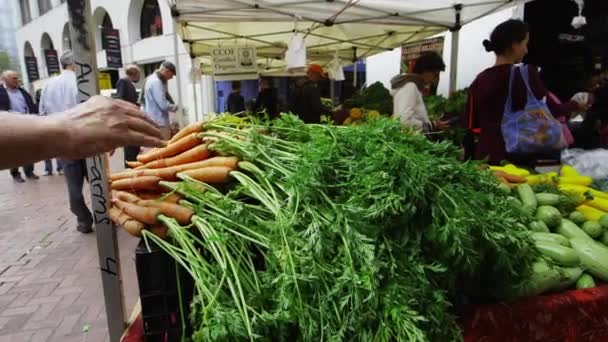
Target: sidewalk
50,283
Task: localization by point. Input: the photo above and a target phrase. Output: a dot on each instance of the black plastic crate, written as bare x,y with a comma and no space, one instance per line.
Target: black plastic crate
159,296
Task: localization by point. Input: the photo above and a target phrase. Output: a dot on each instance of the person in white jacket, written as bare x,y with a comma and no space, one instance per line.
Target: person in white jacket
408,105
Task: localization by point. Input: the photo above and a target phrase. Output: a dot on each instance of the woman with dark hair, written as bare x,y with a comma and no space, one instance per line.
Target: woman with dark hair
407,89
488,94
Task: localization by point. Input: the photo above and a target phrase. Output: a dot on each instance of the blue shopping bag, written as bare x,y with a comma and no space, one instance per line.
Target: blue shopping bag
532,130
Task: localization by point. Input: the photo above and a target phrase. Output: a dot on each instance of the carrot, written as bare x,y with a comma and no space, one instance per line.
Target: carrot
183,144
195,154
143,214
194,127
129,224
183,215
165,174
171,198
160,230
135,184
210,174
134,164
509,177
125,196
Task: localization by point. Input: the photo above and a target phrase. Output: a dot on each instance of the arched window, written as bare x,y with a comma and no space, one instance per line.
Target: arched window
44,6
66,38
107,21
26,13
151,23
31,64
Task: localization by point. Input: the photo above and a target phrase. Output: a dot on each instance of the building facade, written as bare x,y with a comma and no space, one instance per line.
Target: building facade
146,31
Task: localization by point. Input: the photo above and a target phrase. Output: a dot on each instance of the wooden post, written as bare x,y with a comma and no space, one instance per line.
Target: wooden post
83,47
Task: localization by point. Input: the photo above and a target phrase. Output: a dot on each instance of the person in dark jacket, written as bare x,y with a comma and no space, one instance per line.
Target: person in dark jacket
14,98
235,102
267,100
306,98
125,90
489,91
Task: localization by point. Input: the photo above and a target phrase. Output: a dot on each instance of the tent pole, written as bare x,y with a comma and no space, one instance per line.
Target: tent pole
454,53
454,61
83,47
194,90
178,77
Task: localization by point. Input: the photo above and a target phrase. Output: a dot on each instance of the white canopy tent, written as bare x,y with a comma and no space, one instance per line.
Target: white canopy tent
351,29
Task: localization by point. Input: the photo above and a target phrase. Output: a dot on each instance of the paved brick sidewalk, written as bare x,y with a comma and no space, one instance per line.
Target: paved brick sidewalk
50,283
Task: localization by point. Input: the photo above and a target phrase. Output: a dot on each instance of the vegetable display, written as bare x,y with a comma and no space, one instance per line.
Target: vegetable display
324,232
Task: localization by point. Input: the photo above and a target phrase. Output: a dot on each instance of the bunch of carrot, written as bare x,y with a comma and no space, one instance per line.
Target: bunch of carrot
137,195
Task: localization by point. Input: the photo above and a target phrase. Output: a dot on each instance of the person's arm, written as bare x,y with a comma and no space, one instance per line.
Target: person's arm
96,126
405,106
157,93
121,89
540,90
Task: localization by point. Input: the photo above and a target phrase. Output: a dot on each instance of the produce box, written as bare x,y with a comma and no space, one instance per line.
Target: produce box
578,315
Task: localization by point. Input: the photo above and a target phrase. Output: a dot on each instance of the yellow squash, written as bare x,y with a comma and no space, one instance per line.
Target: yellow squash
591,213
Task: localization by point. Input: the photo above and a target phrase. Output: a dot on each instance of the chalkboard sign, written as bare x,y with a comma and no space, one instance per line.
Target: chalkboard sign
52,62
111,43
31,66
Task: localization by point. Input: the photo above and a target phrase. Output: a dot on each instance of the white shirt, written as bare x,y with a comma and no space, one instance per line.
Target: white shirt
60,93
409,108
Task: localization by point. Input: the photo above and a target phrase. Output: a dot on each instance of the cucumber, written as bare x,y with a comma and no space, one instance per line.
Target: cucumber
604,221
550,215
593,256
568,229
564,256
551,238
527,197
569,276
544,277
577,217
545,198
504,188
539,226
593,229
604,238
585,282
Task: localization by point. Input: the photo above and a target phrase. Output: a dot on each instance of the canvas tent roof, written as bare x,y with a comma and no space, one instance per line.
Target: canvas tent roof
349,27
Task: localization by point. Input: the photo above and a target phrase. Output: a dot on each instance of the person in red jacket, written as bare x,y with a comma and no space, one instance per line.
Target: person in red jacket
488,94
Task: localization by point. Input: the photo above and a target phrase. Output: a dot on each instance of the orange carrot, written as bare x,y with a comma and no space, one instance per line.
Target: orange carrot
125,221
195,154
194,127
160,230
183,215
164,173
125,196
183,144
136,184
210,174
171,198
134,164
146,215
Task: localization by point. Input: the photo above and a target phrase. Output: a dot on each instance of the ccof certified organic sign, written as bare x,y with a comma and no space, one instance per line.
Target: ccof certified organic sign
233,60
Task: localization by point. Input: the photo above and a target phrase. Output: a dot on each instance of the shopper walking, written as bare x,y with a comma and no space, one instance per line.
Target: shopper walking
306,98
59,95
48,163
235,102
125,90
14,98
155,99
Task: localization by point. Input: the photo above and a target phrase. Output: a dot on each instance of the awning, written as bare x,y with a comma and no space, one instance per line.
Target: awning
352,28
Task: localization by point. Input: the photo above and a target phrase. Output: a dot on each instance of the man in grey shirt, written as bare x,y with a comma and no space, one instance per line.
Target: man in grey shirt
155,100
15,99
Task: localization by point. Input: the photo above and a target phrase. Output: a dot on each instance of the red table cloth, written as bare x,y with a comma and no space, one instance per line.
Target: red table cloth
573,316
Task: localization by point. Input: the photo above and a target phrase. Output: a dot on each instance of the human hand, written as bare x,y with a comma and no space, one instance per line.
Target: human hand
100,125
441,125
